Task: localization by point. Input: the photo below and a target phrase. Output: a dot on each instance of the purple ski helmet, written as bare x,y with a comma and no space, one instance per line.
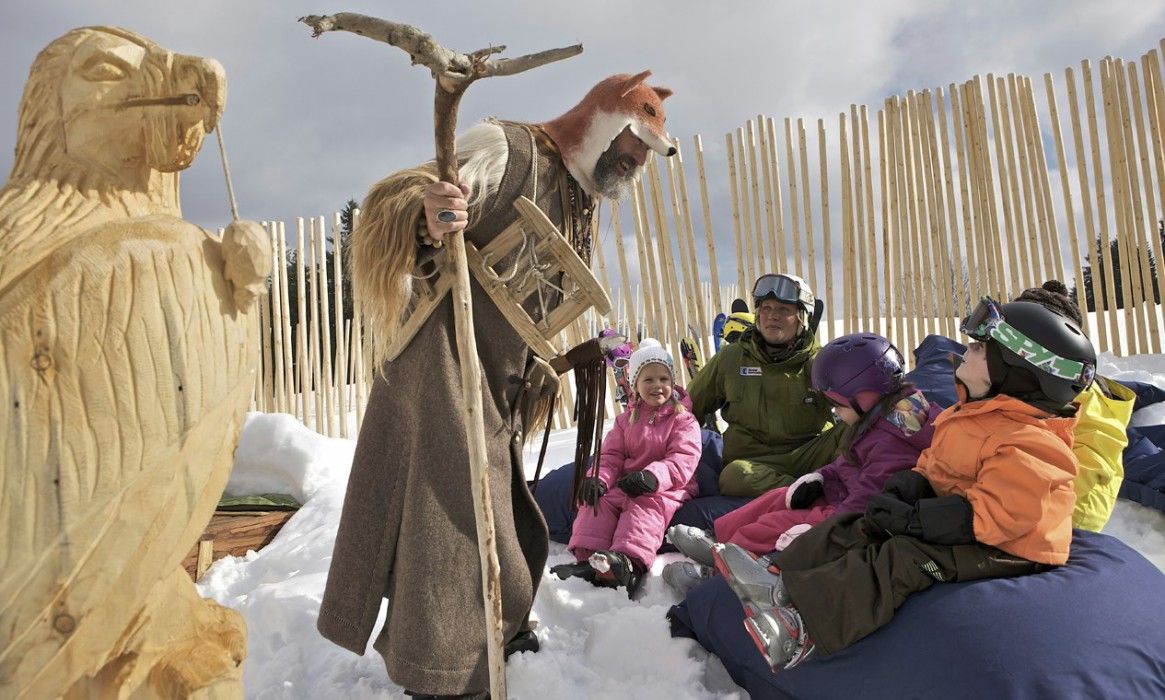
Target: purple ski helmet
857,370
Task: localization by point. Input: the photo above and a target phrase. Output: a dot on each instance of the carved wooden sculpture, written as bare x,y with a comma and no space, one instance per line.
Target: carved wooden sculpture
128,343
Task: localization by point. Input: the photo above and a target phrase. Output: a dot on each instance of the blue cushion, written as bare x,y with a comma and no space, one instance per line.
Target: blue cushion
1094,627
554,498
933,373
711,463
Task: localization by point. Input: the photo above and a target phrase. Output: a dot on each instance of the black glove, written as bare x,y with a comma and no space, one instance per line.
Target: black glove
805,494
888,515
638,483
908,486
949,520
591,490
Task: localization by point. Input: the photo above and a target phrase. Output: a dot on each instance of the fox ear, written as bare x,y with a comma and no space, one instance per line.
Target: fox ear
633,82
662,92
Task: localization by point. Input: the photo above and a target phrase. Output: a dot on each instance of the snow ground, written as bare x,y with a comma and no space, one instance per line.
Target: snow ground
595,642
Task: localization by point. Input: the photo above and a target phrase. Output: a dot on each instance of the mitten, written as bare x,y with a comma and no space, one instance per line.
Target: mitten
791,534
908,486
638,483
591,490
893,516
804,491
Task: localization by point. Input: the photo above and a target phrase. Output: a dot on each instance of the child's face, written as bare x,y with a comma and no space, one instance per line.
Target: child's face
973,371
841,408
654,385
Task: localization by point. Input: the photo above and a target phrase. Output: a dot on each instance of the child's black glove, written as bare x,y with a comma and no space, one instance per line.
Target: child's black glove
591,490
638,483
888,515
908,486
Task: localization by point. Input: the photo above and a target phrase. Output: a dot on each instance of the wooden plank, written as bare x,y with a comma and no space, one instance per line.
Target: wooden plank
754,184
234,534
1050,231
810,259
1101,336
781,257
968,287
794,204
1015,226
741,271
1109,298
689,236
826,248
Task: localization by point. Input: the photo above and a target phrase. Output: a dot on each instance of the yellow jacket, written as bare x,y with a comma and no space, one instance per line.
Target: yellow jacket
1100,440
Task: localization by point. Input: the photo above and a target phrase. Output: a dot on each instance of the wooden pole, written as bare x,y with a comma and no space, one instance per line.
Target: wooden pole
754,184
1101,213
794,203
826,248
288,345
810,258
741,272
927,224
848,276
1101,336
702,323
624,276
967,288
912,258
939,244
866,283
1026,238
647,269
1155,102
955,258
1066,193
767,172
1116,164
1135,249
750,259
709,234
325,317
1049,231
884,147
341,375
781,256
1005,160
269,389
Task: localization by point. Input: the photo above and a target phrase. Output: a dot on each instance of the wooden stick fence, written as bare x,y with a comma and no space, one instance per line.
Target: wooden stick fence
953,193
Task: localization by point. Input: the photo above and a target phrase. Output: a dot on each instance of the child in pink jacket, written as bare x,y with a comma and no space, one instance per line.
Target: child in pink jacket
646,471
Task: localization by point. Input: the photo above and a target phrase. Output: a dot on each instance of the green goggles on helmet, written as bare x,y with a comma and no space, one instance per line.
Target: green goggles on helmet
987,322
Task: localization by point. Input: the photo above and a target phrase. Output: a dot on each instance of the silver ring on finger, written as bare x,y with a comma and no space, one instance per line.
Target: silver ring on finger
446,216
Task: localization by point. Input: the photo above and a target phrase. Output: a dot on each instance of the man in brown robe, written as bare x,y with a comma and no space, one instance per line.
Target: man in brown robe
407,531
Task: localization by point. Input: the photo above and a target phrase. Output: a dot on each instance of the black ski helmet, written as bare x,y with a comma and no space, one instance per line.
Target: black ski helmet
1056,334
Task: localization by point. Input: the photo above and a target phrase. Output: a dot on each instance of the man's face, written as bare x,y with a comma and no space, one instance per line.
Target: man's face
620,164
777,322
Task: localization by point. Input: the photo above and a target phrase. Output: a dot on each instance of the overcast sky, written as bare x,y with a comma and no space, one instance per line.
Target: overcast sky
310,123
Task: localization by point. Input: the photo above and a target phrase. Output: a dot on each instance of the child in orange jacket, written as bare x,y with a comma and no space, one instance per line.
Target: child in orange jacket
991,497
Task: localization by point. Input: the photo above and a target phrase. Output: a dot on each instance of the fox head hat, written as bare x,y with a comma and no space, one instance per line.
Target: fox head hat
586,131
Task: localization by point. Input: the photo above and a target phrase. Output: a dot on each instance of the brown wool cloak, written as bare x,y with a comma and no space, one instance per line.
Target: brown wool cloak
407,531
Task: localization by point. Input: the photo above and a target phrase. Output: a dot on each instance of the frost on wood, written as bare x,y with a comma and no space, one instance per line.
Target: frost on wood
129,362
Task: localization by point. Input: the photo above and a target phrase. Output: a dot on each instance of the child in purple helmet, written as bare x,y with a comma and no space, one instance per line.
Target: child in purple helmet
889,423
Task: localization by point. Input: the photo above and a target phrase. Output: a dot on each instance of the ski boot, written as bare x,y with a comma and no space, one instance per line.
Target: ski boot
693,543
615,569
683,576
779,634
754,580
580,569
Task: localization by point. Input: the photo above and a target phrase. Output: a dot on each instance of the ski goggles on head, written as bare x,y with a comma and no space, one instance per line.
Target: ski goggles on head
987,322
782,288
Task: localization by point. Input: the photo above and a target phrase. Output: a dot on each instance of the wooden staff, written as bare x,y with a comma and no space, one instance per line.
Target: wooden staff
781,257
1101,337
709,234
1104,250
1137,264
741,272
1066,193
794,202
454,72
